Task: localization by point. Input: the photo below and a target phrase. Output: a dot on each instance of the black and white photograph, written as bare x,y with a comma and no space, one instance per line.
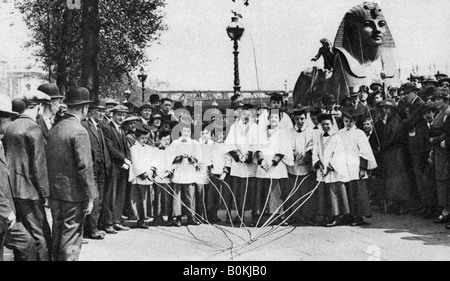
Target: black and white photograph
215,132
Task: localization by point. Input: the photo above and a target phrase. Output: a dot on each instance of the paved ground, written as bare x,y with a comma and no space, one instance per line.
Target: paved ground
387,237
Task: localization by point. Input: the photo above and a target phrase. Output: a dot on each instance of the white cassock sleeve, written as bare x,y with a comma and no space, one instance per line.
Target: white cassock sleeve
337,157
365,151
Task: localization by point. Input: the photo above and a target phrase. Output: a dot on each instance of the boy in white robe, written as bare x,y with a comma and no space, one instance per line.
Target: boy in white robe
359,159
207,197
141,173
329,161
241,139
273,156
164,186
186,154
299,173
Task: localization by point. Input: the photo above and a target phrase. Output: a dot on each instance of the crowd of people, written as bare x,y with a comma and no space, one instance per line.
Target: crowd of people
96,165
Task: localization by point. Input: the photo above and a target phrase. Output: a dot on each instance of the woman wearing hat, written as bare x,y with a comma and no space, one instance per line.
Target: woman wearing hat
444,82
393,152
438,135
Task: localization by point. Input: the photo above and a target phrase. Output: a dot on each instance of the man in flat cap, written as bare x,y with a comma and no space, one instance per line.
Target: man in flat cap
50,109
12,233
110,104
71,177
102,169
116,141
25,153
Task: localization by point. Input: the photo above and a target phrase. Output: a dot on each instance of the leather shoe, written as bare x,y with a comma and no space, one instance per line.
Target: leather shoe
120,227
177,223
141,225
332,224
110,230
95,236
442,219
358,223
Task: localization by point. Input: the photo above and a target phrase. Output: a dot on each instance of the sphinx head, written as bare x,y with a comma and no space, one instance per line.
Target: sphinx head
364,29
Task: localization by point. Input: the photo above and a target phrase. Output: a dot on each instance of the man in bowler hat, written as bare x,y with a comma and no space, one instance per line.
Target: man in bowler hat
71,177
50,109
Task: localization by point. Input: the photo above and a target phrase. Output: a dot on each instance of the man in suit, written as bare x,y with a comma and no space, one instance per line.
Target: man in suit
409,92
71,177
361,110
102,167
12,233
116,141
47,117
110,104
25,153
416,140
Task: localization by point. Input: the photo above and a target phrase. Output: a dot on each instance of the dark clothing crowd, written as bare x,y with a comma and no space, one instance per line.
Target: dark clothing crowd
84,170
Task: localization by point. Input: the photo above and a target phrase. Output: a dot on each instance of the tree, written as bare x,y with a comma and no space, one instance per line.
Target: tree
126,29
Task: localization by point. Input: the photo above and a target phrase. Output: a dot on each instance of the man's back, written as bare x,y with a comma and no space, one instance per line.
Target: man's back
25,154
70,167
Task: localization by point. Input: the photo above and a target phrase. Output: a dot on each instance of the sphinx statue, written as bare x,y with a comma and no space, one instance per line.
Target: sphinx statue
364,47
364,50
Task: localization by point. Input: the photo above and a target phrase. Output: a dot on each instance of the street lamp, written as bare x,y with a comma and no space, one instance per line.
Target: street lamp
142,78
235,30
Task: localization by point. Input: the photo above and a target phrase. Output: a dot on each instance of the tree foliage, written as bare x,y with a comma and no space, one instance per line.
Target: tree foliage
127,28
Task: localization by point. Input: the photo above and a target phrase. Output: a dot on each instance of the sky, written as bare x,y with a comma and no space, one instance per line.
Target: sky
281,36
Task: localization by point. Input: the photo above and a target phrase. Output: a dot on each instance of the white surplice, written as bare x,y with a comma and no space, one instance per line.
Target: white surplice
242,137
276,141
357,146
142,157
331,151
161,164
185,172
302,143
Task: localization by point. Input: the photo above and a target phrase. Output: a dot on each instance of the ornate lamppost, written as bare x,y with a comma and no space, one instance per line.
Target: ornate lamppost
142,78
235,30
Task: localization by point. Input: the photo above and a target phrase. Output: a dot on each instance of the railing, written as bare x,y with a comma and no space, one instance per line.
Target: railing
215,95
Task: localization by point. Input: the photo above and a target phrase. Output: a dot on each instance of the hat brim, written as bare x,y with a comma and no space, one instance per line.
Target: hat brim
98,107
57,97
8,113
444,79
78,102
